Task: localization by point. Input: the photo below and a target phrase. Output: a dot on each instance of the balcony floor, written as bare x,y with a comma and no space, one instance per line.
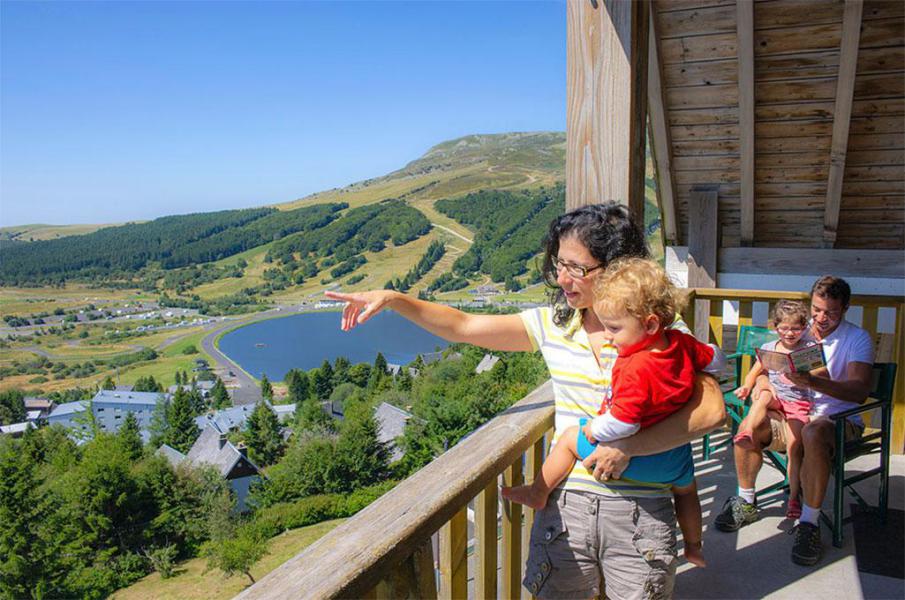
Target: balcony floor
754,562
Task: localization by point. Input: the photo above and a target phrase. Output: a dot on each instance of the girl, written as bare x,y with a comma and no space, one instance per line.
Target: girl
790,321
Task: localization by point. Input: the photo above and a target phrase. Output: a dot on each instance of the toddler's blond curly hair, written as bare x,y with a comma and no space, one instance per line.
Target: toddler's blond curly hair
637,287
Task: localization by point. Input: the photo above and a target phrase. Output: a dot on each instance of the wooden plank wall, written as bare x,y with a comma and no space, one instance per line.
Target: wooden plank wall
796,59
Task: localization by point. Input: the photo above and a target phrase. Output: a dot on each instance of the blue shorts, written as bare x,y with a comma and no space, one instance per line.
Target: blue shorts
675,467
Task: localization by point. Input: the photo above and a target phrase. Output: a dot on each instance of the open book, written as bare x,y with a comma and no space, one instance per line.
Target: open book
798,361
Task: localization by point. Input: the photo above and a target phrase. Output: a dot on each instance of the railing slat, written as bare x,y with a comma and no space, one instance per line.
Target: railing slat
533,460
512,535
745,309
453,557
485,530
898,396
716,323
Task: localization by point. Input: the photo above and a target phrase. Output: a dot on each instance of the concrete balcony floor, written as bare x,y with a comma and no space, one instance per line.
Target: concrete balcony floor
754,562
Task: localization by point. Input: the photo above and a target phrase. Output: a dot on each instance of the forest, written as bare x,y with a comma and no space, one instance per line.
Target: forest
85,520
504,239
121,252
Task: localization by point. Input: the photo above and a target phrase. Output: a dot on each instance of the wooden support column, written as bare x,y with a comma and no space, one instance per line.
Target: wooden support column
661,144
845,88
606,102
745,28
453,561
702,249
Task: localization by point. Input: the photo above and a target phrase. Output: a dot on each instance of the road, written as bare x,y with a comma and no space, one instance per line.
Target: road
245,390
450,231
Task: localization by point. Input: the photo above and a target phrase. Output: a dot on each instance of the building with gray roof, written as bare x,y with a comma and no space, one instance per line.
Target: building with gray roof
391,422
213,449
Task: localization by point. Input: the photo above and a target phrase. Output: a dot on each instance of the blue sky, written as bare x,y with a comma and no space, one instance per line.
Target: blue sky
113,111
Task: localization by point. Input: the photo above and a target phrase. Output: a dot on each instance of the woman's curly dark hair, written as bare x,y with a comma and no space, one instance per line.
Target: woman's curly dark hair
608,232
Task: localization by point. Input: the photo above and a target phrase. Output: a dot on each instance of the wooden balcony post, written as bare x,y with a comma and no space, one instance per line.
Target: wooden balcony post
512,535
533,460
485,531
606,104
453,561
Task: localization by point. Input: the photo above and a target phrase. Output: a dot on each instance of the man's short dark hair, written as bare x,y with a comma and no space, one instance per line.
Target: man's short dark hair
836,288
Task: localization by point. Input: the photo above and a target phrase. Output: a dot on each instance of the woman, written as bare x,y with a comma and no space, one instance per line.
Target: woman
596,524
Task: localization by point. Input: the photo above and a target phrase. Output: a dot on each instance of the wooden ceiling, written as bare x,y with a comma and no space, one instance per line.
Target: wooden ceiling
792,108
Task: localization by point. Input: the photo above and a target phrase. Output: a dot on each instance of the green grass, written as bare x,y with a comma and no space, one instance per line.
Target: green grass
193,583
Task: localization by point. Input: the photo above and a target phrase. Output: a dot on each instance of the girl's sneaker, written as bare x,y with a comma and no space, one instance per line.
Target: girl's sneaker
794,509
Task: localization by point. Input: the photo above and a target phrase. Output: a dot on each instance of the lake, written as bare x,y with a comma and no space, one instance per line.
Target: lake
303,341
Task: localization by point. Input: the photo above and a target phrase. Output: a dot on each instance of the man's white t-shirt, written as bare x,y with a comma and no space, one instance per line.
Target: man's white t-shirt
848,343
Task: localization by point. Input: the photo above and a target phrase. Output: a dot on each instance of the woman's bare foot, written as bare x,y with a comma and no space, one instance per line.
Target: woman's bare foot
525,494
694,553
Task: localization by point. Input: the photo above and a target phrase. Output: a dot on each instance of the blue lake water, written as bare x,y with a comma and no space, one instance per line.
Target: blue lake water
303,341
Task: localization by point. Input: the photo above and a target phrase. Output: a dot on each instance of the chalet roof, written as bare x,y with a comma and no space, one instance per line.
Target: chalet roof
227,419
212,448
69,408
136,398
487,363
173,456
790,66
391,422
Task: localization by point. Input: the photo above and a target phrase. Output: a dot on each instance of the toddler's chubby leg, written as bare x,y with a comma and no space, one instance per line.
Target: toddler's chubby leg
556,467
688,514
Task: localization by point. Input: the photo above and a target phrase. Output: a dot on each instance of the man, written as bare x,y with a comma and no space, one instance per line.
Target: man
850,356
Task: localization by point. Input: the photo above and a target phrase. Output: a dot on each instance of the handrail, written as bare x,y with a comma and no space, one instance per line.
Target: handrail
352,559
766,295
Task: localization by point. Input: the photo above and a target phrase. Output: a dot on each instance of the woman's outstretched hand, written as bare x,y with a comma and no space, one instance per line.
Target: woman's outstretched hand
360,306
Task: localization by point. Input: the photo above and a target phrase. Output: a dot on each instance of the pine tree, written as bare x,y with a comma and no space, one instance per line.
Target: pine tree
219,395
130,435
265,443
182,430
363,460
323,381
341,368
380,364
108,384
299,385
160,425
266,388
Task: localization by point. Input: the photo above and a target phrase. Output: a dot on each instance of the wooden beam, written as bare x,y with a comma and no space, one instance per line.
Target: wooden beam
745,28
702,249
845,87
661,144
811,261
606,110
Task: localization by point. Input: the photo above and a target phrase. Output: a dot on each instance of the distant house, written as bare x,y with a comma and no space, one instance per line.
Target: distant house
212,448
487,363
228,419
16,429
391,422
109,408
284,412
42,405
204,387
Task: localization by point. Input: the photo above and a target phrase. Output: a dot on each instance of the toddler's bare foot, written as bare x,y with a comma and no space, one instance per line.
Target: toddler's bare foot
525,494
694,554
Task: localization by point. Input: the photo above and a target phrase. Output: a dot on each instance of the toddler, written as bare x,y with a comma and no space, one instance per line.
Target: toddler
652,378
790,321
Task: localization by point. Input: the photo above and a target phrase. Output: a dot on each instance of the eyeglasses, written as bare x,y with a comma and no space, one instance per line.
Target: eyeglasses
578,271
790,329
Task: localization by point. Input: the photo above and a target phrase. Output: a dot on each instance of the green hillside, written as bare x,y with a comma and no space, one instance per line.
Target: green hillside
233,257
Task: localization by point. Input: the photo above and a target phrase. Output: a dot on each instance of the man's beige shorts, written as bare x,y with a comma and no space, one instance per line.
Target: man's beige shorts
778,442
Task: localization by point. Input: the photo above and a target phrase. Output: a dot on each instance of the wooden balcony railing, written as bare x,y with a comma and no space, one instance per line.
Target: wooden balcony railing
385,550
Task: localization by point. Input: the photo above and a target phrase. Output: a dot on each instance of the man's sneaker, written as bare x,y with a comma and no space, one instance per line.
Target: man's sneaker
736,514
807,549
